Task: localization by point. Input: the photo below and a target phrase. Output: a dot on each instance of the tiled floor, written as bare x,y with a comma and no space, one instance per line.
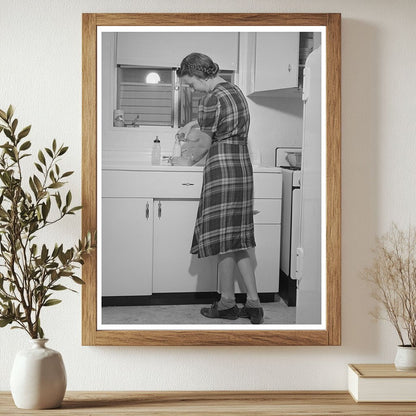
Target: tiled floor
275,313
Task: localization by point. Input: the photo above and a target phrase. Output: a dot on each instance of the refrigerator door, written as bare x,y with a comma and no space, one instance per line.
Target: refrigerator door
309,255
296,212
285,257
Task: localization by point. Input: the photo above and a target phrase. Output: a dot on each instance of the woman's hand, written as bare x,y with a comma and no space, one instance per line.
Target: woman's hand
182,161
196,146
184,131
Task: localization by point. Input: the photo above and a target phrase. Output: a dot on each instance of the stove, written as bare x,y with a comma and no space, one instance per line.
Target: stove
291,214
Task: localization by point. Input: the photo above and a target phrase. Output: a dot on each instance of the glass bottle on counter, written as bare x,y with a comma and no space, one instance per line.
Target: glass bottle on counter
177,151
156,152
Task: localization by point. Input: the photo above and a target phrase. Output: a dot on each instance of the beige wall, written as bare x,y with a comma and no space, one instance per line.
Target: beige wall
40,73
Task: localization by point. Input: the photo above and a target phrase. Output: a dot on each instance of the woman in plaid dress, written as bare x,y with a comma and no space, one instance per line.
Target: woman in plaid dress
224,224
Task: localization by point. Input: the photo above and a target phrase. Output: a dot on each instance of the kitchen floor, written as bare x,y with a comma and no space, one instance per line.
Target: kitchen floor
274,313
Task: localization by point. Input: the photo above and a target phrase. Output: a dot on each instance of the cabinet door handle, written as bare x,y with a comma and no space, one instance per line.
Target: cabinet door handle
256,211
159,209
289,68
188,184
147,210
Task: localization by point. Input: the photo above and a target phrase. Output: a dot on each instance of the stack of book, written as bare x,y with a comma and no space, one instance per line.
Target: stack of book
381,383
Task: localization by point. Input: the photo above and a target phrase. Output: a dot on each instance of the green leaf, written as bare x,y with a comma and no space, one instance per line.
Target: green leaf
68,199
76,279
62,257
45,211
72,210
10,112
33,187
58,250
3,115
66,274
8,133
54,145
56,185
44,253
39,167
37,182
55,251
14,125
59,287
25,145
49,152
63,151
58,199
5,321
40,331
67,174
24,132
41,157
51,302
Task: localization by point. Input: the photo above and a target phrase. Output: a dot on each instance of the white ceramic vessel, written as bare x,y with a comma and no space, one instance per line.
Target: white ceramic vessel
405,358
38,377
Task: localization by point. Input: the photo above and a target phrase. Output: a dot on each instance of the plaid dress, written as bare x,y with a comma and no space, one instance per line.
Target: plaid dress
224,220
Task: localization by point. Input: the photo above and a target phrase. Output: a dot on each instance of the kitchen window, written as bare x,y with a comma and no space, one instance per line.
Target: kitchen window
155,96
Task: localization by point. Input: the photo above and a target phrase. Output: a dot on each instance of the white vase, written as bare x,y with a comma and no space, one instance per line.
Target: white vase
405,358
38,377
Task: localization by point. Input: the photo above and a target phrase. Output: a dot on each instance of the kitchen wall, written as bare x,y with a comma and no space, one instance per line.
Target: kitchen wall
274,121
40,73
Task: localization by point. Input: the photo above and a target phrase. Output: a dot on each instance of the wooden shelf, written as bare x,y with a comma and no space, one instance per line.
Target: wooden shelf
220,403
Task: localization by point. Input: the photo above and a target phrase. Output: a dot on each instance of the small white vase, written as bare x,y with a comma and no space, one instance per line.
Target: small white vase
405,358
38,377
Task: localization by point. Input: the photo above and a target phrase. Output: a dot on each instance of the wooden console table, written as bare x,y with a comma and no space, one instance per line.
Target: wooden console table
212,403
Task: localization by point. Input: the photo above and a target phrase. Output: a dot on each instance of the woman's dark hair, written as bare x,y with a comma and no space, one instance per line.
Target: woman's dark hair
197,65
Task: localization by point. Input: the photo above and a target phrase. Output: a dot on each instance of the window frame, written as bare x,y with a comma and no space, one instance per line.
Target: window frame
177,96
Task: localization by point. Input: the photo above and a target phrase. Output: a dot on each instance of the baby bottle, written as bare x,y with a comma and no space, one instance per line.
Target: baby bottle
156,151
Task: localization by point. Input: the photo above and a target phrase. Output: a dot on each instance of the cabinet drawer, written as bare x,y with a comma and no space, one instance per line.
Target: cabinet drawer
146,184
165,184
267,211
267,185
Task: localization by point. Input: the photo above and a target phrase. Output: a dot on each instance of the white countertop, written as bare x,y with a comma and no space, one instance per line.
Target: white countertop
140,161
168,168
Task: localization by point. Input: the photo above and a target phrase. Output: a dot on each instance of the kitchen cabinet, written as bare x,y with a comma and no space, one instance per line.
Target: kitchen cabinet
174,268
265,257
167,49
148,218
273,61
126,260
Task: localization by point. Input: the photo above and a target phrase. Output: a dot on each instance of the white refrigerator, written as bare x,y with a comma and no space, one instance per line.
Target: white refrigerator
308,264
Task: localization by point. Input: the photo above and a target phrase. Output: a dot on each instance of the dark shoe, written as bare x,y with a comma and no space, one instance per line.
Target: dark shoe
213,312
256,315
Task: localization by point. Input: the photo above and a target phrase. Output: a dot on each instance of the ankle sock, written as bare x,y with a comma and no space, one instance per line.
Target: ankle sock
253,303
225,303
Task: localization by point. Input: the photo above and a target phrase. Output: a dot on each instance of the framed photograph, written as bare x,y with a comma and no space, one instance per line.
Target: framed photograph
153,133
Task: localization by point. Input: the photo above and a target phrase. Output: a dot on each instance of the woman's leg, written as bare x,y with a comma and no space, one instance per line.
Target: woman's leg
226,307
226,264
247,272
252,309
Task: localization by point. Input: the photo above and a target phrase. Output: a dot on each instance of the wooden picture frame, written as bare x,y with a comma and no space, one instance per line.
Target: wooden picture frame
331,334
